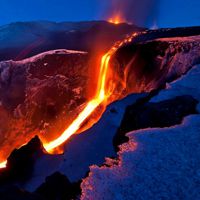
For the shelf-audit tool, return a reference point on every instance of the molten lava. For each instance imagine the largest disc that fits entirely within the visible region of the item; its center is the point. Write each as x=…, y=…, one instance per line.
x=3, y=164
x=90, y=107
x=103, y=93
x=117, y=19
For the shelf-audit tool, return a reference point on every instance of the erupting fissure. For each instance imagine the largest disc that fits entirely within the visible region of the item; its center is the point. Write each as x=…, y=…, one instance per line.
x=102, y=95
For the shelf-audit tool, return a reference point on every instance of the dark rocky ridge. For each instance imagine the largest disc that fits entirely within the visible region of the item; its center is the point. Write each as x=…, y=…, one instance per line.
x=143, y=115
x=20, y=163
x=169, y=33
x=57, y=186
x=145, y=66
x=19, y=169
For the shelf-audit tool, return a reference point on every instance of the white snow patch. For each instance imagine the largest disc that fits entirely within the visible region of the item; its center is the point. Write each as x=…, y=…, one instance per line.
x=42, y=55
x=157, y=163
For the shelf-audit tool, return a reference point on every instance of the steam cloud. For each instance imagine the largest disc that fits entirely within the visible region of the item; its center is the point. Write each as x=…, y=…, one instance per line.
x=139, y=12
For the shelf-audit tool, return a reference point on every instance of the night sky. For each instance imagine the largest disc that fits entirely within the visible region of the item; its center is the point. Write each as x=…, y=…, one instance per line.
x=164, y=13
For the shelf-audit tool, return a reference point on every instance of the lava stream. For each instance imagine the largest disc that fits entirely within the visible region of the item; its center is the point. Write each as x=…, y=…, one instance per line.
x=102, y=95
x=90, y=107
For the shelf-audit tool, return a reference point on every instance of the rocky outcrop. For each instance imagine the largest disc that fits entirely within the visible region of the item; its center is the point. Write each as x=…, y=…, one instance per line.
x=142, y=66
x=40, y=93
x=57, y=186
x=20, y=163
x=143, y=115
x=13, y=192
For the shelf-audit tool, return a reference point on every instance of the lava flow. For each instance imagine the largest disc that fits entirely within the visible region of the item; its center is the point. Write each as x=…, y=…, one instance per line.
x=90, y=107
x=102, y=94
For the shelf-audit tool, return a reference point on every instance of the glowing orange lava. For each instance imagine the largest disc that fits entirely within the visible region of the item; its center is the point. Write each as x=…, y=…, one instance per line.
x=90, y=107
x=102, y=94
x=3, y=164
x=117, y=19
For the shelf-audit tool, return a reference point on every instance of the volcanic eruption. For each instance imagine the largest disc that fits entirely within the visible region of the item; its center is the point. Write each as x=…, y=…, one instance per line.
x=82, y=104
x=103, y=96
x=106, y=84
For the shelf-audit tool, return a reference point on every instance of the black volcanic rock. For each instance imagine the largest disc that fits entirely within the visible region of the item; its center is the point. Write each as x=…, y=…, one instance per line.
x=58, y=187
x=145, y=64
x=21, y=161
x=169, y=33
x=15, y=193
x=143, y=115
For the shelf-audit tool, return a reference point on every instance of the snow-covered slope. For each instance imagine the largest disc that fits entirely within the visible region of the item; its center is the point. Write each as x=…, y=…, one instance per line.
x=158, y=163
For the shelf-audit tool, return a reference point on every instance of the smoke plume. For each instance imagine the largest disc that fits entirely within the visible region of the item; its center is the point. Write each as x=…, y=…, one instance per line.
x=139, y=12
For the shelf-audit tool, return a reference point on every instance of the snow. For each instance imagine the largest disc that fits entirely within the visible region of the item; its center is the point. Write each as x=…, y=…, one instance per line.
x=40, y=56
x=52, y=52
x=82, y=150
x=180, y=39
x=163, y=165
x=157, y=163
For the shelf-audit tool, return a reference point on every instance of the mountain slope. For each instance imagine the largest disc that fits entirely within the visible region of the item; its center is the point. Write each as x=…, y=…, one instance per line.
x=24, y=39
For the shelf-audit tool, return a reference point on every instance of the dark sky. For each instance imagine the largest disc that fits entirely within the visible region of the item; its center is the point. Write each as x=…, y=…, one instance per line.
x=165, y=13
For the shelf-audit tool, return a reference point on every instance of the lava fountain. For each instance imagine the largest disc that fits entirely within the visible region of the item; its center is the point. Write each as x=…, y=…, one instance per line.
x=103, y=92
